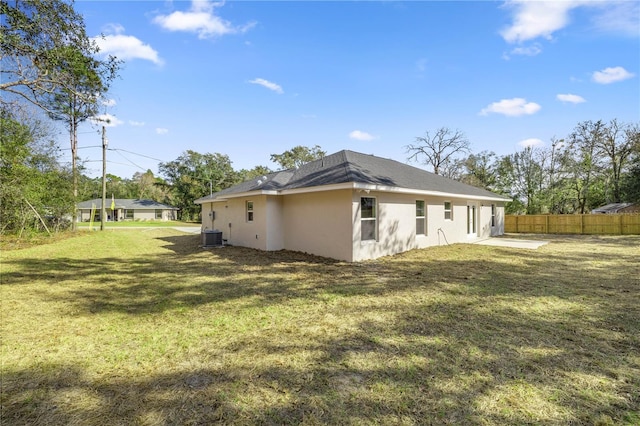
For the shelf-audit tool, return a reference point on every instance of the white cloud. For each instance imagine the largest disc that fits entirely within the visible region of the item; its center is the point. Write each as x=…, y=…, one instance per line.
x=621, y=17
x=533, y=19
x=162, y=131
x=421, y=65
x=531, y=142
x=113, y=28
x=136, y=123
x=511, y=107
x=106, y=120
x=532, y=50
x=125, y=47
x=568, y=97
x=200, y=19
x=611, y=75
x=109, y=102
x=268, y=84
x=361, y=136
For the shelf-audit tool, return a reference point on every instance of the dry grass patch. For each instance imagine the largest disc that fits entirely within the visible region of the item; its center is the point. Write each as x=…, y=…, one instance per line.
x=144, y=327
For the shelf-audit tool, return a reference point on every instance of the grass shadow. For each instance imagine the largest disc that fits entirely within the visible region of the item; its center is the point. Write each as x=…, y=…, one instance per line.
x=462, y=334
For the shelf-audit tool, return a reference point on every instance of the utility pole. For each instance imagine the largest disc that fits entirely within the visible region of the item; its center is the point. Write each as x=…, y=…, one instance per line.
x=103, y=212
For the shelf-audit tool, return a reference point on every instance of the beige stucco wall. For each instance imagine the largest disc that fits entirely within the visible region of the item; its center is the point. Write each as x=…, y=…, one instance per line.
x=144, y=215
x=397, y=223
x=319, y=223
x=327, y=223
x=275, y=229
x=231, y=219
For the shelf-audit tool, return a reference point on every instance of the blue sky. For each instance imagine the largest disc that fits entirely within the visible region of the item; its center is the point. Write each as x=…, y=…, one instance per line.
x=250, y=79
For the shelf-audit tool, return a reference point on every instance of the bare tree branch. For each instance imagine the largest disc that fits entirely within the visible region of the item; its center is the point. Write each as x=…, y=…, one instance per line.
x=439, y=150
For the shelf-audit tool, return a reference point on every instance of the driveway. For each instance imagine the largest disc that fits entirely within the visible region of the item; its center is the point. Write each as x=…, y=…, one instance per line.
x=512, y=242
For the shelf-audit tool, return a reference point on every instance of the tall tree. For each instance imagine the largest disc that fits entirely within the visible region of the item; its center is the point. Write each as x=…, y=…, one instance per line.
x=33, y=184
x=147, y=186
x=87, y=80
x=584, y=164
x=49, y=61
x=557, y=197
x=439, y=150
x=256, y=172
x=617, y=144
x=521, y=176
x=194, y=175
x=89, y=188
x=630, y=182
x=479, y=170
x=37, y=37
x=297, y=156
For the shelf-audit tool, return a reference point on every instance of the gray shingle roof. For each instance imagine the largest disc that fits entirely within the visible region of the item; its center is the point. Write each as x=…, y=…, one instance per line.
x=611, y=208
x=354, y=167
x=124, y=203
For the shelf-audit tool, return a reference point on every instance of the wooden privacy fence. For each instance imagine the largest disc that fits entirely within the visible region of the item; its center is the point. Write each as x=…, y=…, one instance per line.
x=619, y=224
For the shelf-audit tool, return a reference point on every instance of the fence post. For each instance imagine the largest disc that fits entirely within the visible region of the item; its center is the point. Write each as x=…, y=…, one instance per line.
x=581, y=224
x=546, y=224
x=620, y=223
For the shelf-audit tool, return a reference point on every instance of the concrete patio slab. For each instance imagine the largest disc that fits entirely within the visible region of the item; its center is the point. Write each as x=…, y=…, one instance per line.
x=512, y=242
x=189, y=229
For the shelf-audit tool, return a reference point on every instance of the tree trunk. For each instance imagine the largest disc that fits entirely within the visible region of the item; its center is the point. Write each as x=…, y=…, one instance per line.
x=73, y=132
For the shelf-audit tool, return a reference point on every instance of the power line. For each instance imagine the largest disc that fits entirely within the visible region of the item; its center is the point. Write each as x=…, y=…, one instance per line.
x=135, y=153
x=115, y=149
x=118, y=152
x=81, y=147
x=108, y=161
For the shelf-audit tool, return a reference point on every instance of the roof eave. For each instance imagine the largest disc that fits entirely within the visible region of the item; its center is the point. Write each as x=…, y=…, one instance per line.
x=351, y=185
x=214, y=199
x=401, y=190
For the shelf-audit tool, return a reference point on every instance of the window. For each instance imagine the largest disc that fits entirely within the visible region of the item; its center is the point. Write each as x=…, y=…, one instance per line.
x=448, y=210
x=493, y=215
x=128, y=214
x=249, y=211
x=420, y=218
x=368, y=218
x=158, y=213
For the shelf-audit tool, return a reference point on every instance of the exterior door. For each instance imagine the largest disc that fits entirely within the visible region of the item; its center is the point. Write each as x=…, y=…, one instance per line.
x=472, y=219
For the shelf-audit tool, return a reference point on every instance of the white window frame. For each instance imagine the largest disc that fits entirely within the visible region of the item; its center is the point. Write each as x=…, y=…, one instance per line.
x=448, y=210
x=249, y=210
x=423, y=218
x=369, y=219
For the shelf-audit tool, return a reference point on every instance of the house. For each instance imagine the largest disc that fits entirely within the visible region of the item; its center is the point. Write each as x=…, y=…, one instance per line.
x=126, y=209
x=616, y=208
x=352, y=207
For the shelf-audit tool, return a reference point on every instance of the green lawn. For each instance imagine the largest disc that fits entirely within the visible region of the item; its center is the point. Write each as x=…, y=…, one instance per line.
x=144, y=327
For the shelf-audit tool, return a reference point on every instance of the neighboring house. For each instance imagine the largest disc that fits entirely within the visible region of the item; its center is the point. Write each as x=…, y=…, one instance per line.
x=351, y=206
x=615, y=208
x=126, y=209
